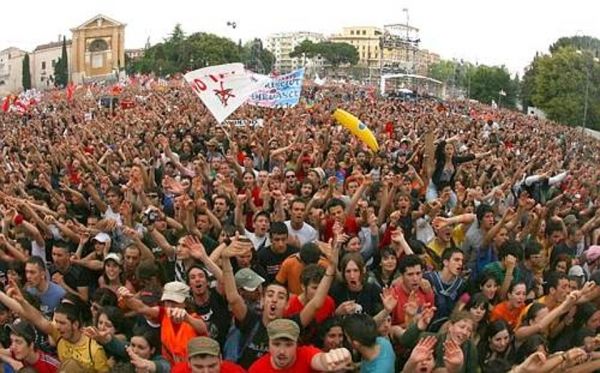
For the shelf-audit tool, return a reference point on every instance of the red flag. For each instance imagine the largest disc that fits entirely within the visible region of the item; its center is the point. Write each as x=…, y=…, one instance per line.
x=21, y=107
x=6, y=104
x=70, y=91
x=116, y=89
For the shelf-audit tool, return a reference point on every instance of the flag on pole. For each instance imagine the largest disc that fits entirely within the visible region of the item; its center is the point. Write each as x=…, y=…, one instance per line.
x=502, y=93
x=224, y=88
x=6, y=103
x=70, y=90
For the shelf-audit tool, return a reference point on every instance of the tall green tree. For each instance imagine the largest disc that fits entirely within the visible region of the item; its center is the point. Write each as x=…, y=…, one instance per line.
x=256, y=58
x=443, y=70
x=560, y=86
x=565, y=83
x=338, y=53
x=306, y=49
x=61, y=68
x=334, y=53
x=26, y=73
x=488, y=81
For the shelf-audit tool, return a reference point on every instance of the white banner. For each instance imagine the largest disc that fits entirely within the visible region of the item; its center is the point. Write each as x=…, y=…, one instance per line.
x=224, y=88
x=258, y=122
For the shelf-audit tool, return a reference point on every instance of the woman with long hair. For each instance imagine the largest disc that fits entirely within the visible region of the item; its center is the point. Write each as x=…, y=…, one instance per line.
x=387, y=270
x=498, y=342
x=354, y=293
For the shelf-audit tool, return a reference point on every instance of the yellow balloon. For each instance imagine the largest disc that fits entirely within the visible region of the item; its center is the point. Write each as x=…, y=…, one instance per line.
x=357, y=128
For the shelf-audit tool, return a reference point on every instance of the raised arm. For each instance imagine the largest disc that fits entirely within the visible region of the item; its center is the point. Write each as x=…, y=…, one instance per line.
x=137, y=305
x=310, y=309
x=236, y=302
x=538, y=327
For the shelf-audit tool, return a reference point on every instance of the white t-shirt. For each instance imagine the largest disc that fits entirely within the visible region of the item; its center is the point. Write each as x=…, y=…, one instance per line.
x=258, y=242
x=305, y=234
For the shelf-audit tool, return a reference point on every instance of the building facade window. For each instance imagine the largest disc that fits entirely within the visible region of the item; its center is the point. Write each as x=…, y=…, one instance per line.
x=43, y=65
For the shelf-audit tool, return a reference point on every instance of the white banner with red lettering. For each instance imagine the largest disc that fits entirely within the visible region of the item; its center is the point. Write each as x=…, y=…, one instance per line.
x=224, y=88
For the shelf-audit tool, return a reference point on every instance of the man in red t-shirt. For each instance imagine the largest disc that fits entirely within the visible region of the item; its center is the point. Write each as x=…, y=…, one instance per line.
x=339, y=213
x=412, y=291
x=310, y=278
x=285, y=355
x=204, y=355
x=22, y=337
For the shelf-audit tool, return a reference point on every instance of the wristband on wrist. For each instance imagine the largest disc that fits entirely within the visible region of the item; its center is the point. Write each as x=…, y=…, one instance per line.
x=18, y=220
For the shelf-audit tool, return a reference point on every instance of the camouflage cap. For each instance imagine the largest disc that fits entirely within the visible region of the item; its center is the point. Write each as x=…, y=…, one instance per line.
x=203, y=346
x=283, y=328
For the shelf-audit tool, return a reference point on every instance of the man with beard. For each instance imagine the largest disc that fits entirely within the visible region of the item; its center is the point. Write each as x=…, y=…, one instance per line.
x=208, y=303
x=448, y=285
x=286, y=356
x=253, y=324
x=66, y=330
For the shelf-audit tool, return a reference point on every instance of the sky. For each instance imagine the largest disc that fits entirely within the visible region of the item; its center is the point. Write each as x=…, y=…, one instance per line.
x=507, y=32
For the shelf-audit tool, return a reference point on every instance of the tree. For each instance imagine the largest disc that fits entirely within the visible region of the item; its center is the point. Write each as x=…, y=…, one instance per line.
x=306, y=49
x=26, y=79
x=61, y=68
x=559, y=82
x=488, y=81
x=256, y=58
x=443, y=70
x=338, y=53
x=335, y=53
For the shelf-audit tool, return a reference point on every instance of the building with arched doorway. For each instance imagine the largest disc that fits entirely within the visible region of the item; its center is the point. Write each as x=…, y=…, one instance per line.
x=97, y=49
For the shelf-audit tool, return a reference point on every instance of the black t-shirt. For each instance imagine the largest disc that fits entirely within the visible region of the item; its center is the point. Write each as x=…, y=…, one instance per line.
x=271, y=261
x=259, y=345
x=75, y=277
x=215, y=314
x=368, y=297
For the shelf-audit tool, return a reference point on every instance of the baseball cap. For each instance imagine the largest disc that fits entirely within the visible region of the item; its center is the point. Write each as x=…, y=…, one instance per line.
x=570, y=219
x=247, y=279
x=102, y=237
x=203, y=346
x=283, y=328
x=23, y=329
x=113, y=256
x=175, y=291
x=576, y=271
x=592, y=253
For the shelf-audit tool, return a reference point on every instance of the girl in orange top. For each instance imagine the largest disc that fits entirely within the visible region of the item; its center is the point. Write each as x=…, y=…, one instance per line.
x=510, y=309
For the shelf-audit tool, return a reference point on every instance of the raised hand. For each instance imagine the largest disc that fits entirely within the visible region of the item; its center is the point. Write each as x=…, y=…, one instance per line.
x=440, y=222
x=425, y=318
x=453, y=356
x=411, y=307
x=423, y=350
x=389, y=299
x=197, y=250
x=338, y=359
x=101, y=337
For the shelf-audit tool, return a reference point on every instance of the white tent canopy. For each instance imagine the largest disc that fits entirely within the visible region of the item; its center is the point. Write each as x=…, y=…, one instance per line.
x=423, y=80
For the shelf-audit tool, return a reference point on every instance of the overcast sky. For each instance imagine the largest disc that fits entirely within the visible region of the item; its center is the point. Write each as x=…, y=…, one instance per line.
x=505, y=32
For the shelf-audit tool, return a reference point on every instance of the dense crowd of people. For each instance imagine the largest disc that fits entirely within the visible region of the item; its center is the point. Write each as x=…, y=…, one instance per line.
x=149, y=238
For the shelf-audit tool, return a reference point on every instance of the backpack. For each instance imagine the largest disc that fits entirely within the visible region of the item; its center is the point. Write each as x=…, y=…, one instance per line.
x=235, y=344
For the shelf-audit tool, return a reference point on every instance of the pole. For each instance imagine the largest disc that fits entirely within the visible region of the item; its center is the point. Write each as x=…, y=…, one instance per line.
x=585, y=100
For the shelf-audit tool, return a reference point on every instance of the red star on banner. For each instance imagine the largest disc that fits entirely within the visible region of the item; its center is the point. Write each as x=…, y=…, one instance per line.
x=224, y=94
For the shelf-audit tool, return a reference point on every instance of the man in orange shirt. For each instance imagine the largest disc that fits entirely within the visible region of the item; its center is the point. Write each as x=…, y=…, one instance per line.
x=291, y=268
